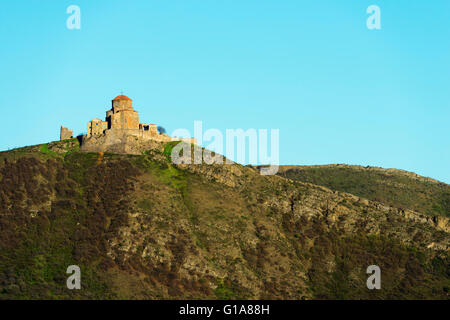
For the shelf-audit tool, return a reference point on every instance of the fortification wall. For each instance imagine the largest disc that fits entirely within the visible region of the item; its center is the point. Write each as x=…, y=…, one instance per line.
x=96, y=127
x=129, y=141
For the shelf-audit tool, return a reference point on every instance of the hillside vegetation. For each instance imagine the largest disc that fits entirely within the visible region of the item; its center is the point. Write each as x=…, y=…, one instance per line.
x=393, y=187
x=142, y=228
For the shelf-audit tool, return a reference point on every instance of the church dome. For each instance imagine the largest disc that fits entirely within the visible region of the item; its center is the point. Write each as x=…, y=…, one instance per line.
x=122, y=97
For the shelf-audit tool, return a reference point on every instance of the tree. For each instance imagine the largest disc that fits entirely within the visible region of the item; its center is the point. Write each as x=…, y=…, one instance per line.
x=161, y=130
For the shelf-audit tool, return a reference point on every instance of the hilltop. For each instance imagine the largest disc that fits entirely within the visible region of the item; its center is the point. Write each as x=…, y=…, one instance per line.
x=142, y=228
x=393, y=187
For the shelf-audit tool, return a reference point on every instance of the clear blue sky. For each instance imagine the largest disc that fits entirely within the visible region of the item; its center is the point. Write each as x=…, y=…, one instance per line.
x=338, y=92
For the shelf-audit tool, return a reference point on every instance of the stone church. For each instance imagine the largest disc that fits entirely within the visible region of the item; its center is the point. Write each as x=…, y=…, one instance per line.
x=122, y=120
x=122, y=116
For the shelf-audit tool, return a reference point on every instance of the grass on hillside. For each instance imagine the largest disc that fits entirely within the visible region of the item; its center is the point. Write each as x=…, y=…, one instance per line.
x=396, y=190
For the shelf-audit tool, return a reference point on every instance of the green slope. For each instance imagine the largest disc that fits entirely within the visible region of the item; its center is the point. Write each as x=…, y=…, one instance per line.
x=396, y=188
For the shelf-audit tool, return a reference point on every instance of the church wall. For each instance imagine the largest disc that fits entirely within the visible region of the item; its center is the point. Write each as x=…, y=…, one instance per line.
x=125, y=120
x=122, y=105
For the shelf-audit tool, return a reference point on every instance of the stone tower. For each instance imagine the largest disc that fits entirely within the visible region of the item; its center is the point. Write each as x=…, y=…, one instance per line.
x=122, y=115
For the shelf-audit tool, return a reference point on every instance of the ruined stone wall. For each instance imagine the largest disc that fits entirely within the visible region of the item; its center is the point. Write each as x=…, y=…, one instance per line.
x=148, y=129
x=65, y=133
x=96, y=127
x=148, y=133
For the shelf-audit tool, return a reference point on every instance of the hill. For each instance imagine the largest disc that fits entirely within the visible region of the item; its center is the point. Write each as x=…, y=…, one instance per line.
x=393, y=187
x=140, y=227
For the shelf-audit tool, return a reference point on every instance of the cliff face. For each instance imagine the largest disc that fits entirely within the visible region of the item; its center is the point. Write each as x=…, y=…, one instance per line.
x=141, y=227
